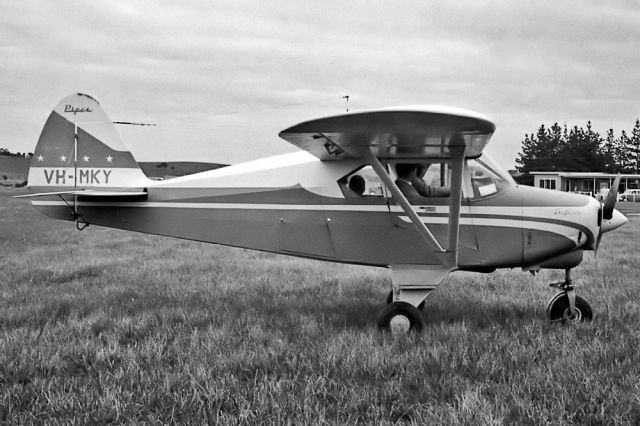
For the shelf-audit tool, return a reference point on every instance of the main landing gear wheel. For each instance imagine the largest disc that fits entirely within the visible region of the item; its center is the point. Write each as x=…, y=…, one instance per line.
x=390, y=300
x=400, y=318
x=559, y=310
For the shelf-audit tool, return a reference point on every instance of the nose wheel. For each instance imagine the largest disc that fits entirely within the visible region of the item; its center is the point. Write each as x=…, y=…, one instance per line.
x=560, y=311
x=566, y=306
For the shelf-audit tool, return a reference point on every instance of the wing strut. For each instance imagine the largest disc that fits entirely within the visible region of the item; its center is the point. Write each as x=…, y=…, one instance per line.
x=408, y=209
x=449, y=257
x=457, y=166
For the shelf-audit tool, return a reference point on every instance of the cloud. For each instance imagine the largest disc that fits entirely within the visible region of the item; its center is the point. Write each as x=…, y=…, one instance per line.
x=222, y=78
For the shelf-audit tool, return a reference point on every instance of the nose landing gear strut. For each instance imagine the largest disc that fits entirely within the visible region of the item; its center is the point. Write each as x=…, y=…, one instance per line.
x=566, y=306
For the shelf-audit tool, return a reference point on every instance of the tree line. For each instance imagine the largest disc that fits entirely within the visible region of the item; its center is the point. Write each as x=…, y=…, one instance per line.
x=5, y=151
x=558, y=148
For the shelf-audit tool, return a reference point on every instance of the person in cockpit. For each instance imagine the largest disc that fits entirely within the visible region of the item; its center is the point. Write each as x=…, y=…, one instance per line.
x=413, y=187
x=357, y=184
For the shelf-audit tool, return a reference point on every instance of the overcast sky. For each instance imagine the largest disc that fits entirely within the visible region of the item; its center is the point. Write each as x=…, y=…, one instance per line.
x=222, y=78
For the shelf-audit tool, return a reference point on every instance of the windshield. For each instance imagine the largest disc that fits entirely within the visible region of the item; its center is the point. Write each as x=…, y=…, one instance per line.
x=493, y=165
x=487, y=177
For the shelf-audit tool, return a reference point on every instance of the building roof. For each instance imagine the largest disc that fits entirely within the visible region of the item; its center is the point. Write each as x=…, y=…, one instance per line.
x=590, y=175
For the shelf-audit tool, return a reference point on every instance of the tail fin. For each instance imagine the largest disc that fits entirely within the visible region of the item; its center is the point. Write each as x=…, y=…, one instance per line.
x=79, y=148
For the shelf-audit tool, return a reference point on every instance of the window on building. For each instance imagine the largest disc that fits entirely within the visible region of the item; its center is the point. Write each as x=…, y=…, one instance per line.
x=548, y=183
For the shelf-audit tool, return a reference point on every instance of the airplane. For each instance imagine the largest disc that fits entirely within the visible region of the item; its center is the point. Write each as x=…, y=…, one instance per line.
x=300, y=204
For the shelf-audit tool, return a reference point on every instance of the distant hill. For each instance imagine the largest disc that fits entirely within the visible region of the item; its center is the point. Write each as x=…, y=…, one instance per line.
x=14, y=169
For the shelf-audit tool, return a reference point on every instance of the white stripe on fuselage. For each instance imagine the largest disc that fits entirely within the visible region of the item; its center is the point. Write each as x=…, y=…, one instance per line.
x=567, y=231
x=558, y=213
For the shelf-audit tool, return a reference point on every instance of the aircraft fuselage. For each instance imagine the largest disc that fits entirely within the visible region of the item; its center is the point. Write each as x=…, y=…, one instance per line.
x=293, y=205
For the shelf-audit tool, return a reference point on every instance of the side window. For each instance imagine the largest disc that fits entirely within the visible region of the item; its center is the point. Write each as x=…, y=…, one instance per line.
x=363, y=182
x=437, y=175
x=421, y=180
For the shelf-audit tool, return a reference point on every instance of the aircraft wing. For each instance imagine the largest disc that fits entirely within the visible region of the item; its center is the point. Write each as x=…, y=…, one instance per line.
x=394, y=133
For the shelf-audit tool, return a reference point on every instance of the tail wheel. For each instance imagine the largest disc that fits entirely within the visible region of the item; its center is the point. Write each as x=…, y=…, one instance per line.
x=559, y=310
x=400, y=318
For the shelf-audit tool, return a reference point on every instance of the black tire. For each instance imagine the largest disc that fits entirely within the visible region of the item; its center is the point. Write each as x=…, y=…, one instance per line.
x=400, y=317
x=390, y=300
x=558, y=310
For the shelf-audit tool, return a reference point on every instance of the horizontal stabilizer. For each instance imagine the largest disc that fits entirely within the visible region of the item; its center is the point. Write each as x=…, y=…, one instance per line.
x=90, y=193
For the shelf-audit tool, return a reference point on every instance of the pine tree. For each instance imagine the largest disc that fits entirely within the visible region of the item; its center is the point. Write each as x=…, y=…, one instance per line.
x=634, y=144
x=561, y=149
x=539, y=150
x=593, y=145
x=611, y=152
x=581, y=151
x=627, y=163
x=555, y=142
x=527, y=155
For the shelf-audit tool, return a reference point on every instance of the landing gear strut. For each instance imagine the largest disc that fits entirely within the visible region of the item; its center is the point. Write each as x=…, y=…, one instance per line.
x=411, y=286
x=566, y=305
x=390, y=300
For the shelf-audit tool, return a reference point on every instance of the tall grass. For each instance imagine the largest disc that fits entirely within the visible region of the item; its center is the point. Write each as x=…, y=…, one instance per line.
x=107, y=326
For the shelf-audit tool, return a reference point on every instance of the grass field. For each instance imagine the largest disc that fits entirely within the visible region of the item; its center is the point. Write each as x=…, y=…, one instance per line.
x=108, y=326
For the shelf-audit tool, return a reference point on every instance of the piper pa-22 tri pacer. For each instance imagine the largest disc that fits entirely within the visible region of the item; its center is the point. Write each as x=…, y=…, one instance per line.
x=302, y=203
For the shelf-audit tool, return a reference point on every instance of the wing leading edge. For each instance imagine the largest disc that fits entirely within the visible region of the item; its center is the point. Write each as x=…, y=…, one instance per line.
x=394, y=133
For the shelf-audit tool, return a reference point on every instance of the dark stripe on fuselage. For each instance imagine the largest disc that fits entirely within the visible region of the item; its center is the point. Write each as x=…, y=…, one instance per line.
x=371, y=238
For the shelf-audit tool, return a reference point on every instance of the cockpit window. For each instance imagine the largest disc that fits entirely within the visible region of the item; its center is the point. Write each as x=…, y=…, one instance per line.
x=482, y=177
x=486, y=178
x=364, y=182
x=437, y=175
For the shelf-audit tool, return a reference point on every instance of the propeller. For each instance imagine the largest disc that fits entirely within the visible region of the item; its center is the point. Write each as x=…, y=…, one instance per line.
x=610, y=201
x=608, y=207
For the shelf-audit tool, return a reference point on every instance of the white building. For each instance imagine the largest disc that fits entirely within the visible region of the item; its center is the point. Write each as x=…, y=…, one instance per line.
x=590, y=183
